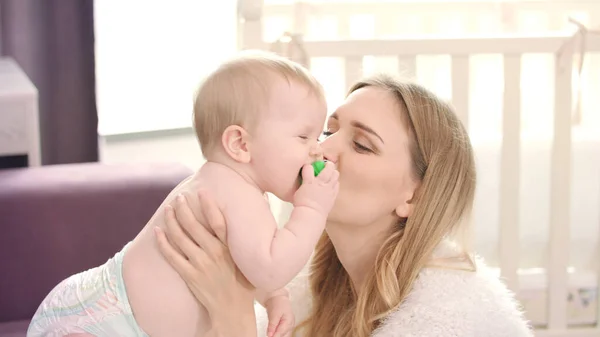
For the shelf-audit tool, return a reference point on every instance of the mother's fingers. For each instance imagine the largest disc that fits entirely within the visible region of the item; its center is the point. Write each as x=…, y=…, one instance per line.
x=197, y=231
x=179, y=239
x=176, y=260
x=213, y=215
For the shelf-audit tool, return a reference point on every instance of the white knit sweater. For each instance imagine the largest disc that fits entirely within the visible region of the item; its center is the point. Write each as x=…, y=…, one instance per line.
x=442, y=303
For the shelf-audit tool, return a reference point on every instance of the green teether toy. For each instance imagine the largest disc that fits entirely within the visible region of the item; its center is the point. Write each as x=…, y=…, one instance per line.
x=318, y=166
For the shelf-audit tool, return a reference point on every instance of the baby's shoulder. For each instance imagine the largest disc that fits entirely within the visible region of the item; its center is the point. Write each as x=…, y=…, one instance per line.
x=236, y=197
x=223, y=179
x=223, y=184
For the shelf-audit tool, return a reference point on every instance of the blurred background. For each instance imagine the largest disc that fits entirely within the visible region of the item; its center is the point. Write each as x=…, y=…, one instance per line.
x=114, y=81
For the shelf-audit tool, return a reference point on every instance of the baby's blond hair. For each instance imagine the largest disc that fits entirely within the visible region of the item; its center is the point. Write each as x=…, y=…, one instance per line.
x=239, y=89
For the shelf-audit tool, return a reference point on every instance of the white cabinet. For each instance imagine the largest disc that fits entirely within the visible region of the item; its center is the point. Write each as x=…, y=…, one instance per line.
x=19, y=120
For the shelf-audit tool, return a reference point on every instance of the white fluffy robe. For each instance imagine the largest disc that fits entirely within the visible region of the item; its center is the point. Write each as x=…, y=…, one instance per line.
x=442, y=303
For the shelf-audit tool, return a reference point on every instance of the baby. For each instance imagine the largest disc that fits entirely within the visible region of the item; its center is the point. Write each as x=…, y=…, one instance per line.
x=257, y=119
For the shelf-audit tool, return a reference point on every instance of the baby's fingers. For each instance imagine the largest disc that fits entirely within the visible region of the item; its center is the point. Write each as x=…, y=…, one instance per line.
x=335, y=176
x=326, y=173
x=284, y=328
x=272, y=328
x=308, y=173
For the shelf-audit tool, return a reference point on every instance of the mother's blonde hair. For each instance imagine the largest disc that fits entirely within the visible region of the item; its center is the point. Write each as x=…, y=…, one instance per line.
x=443, y=163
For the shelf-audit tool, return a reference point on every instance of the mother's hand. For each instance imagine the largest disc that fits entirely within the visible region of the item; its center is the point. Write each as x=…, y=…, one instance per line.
x=207, y=267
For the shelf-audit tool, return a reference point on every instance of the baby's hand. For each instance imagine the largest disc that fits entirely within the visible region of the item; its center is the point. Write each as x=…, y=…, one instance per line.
x=318, y=192
x=281, y=316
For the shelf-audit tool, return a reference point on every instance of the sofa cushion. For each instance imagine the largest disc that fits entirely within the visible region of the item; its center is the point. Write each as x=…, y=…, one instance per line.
x=14, y=329
x=59, y=220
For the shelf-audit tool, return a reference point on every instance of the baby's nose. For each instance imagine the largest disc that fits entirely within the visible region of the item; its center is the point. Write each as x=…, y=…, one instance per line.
x=316, y=152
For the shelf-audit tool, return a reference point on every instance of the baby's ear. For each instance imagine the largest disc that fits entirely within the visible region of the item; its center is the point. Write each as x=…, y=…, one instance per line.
x=235, y=142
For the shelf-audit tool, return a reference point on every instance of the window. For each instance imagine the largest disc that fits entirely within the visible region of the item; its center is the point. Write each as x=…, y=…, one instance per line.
x=151, y=56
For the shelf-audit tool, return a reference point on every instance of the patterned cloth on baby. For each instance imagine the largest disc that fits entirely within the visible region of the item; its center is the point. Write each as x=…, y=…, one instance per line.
x=93, y=302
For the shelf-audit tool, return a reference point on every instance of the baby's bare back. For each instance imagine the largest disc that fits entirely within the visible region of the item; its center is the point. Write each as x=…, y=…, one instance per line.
x=161, y=301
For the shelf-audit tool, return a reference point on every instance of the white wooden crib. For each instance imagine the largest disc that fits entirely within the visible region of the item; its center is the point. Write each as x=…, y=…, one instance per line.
x=534, y=124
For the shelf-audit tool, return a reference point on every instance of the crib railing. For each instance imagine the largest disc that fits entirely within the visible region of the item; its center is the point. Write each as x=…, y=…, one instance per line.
x=460, y=49
x=391, y=18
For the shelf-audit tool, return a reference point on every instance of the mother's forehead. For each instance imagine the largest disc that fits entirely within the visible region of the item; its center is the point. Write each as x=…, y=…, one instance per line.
x=382, y=117
x=371, y=106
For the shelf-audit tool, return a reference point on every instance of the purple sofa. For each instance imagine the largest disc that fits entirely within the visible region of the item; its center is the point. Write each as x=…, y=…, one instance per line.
x=59, y=220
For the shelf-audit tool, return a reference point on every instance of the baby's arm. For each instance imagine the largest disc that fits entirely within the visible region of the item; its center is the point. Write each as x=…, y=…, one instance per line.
x=263, y=296
x=279, y=311
x=270, y=257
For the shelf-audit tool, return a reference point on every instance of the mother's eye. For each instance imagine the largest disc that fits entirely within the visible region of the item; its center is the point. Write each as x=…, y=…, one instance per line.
x=326, y=134
x=361, y=148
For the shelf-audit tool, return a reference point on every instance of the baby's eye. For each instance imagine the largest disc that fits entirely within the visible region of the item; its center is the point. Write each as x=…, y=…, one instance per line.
x=303, y=137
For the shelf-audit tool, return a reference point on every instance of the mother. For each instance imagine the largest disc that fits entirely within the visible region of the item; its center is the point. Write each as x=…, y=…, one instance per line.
x=393, y=260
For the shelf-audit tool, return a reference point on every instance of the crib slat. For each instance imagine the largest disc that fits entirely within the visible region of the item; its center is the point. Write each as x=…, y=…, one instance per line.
x=386, y=23
x=598, y=285
x=353, y=70
x=343, y=23
x=407, y=66
x=252, y=35
x=460, y=87
x=300, y=17
x=595, y=22
x=560, y=195
x=510, y=172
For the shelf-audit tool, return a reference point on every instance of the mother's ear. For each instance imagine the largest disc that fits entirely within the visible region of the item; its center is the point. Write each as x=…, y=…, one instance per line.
x=235, y=142
x=405, y=209
x=407, y=200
